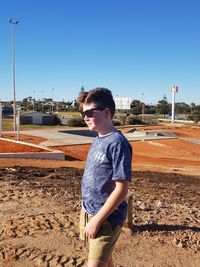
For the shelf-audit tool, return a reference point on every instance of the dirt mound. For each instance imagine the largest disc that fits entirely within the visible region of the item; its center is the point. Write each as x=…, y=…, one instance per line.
x=39, y=210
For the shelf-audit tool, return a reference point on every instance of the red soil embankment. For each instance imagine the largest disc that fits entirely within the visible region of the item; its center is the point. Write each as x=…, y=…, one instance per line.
x=25, y=138
x=12, y=147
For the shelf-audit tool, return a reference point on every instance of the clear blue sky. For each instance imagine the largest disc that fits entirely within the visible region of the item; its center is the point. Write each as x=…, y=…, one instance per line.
x=131, y=47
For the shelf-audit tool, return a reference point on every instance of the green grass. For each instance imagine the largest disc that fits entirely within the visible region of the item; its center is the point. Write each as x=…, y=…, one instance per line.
x=32, y=126
x=7, y=125
x=69, y=114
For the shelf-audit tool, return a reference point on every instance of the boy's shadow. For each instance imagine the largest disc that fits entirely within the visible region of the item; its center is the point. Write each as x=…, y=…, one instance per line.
x=162, y=228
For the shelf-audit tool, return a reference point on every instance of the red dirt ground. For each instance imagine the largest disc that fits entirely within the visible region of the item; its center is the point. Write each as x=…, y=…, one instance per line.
x=172, y=155
x=25, y=138
x=11, y=147
x=39, y=207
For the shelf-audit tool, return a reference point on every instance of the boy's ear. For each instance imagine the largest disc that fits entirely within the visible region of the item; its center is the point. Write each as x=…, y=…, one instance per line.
x=108, y=113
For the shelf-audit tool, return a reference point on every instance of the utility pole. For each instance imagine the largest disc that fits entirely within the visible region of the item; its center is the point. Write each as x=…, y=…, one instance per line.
x=12, y=22
x=173, y=89
x=18, y=122
x=142, y=107
x=52, y=104
x=42, y=101
x=33, y=100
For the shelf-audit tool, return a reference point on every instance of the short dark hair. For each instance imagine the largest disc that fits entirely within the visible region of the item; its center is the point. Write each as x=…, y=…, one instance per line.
x=101, y=97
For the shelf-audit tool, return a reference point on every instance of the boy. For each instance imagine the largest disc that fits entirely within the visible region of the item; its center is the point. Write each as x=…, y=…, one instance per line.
x=105, y=180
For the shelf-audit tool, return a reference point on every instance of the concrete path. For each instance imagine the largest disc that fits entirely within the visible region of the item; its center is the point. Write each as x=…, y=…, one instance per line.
x=76, y=136
x=191, y=140
x=57, y=137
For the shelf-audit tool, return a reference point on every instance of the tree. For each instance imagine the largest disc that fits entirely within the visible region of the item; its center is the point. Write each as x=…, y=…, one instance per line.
x=149, y=109
x=195, y=113
x=192, y=107
x=82, y=90
x=136, y=107
x=182, y=108
x=75, y=105
x=163, y=107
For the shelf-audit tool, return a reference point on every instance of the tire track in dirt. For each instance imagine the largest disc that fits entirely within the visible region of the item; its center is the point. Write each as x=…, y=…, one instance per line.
x=38, y=257
x=32, y=225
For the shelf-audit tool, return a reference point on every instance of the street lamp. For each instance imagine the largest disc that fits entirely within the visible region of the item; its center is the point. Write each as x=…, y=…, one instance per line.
x=33, y=100
x=42, y=101
x=12, y=22
x=52, y=100
x=142, y=107
x=173, y=89
x=18, y=121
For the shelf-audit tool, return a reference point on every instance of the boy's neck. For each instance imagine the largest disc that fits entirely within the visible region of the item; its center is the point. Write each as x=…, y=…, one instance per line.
x=107, y=130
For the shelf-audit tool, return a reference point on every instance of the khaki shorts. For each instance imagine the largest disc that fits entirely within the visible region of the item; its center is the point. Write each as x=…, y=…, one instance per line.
x=101, y=247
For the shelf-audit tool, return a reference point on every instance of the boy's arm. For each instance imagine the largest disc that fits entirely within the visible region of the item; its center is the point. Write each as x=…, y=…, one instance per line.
x=113, y=201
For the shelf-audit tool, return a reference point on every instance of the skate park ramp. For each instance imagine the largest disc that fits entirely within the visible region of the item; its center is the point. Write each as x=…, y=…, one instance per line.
x=86, y=133
x=84, y=136
x=133, y=134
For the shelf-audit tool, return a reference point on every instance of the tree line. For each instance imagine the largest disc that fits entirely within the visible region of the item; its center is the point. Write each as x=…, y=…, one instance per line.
x=137, y=107
x=163, y=107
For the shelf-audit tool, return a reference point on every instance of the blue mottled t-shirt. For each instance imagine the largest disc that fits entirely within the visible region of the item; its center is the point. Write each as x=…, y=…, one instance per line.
x=109, y=159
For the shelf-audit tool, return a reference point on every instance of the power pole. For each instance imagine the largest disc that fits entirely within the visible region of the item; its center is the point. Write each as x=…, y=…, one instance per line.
x=12, y=22
x=173, y=89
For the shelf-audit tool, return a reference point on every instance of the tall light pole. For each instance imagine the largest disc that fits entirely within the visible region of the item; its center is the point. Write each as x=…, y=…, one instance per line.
x=173, y=89
x=142, y=107
x=42, y=101
x=12, y=22
x=18, y=122
x=33, y=100
x=52, y=103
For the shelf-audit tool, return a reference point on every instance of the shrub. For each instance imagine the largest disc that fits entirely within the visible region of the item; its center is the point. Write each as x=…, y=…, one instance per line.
x=194, y=117
x=76, y=122
x=117, y=122
x=132, y=120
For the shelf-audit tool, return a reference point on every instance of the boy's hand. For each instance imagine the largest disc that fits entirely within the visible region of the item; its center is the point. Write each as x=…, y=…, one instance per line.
x=92, y=227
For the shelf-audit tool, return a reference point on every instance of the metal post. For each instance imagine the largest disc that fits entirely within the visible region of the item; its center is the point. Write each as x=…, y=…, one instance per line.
x=173, y=106
x=142, y=107
x=173, y=89
x=42, y=101
x=33, y=100
x=12, y=22
x=52, y=100
x=0, y=120
x=18, y=122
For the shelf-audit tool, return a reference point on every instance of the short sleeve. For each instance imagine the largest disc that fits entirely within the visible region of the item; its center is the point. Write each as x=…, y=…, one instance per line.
x=121, y=161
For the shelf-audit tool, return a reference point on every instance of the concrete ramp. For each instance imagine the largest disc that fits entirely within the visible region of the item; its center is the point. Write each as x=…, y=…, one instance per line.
x=149, y=135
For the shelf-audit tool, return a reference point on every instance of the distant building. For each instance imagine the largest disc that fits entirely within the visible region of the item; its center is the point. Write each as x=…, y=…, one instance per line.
x=123, y=102
x=7, y=111
x=38, y=118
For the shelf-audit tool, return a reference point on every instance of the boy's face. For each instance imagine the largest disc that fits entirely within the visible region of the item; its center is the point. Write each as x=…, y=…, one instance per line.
x=96, y=118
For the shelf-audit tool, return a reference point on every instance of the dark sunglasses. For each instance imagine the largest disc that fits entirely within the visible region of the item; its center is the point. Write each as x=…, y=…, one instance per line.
x=89, y=112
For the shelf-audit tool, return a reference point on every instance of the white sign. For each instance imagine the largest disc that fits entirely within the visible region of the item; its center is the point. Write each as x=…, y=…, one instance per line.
x=174, y=88
x=123, y=102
